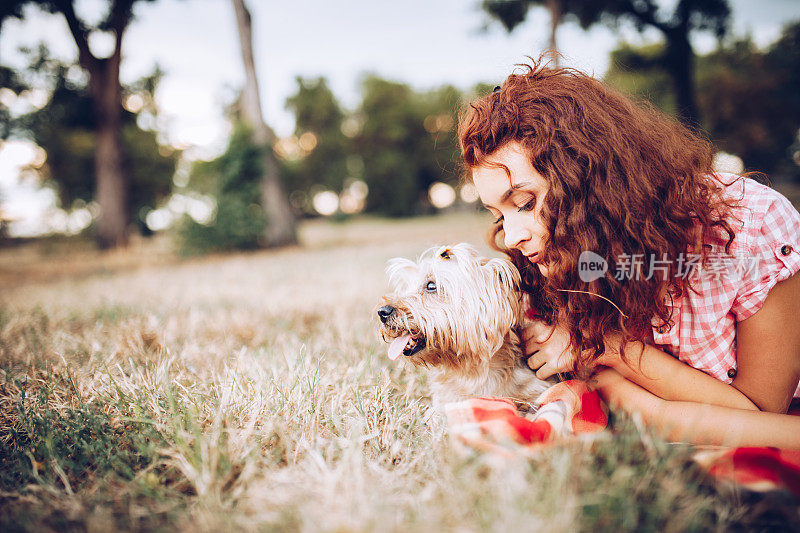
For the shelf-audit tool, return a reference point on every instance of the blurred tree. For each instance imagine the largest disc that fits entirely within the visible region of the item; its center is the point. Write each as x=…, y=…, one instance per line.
x=512, y=13
x=390, y=132
x=280, y=229
x=318, y=124
x=10, y=81
x=751, y=101
x=749, y=98
x=112, y=180
x=64, y=129
x=677, y=58
x=406, y=143
x=441, y=152
x=637, y=71
x=234, y=180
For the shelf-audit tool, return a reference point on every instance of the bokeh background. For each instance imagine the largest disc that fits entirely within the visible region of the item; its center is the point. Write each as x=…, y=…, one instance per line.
x=125, y=119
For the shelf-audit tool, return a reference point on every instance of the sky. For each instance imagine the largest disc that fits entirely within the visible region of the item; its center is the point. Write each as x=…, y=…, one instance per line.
x=425, y=43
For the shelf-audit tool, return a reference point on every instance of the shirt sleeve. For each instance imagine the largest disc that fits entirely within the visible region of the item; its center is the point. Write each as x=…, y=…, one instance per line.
x=773, y=252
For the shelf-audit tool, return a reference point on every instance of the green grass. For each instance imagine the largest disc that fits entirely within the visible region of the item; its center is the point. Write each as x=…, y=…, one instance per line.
x=251, y=392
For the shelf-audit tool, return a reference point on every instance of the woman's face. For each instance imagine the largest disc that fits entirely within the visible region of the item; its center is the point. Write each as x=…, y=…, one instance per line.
x=515, y=199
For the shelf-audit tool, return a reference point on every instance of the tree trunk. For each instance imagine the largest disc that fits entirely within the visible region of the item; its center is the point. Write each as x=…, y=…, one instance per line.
x=556, y=10
x=679, y=63
x=111, y=179
x=281, y=227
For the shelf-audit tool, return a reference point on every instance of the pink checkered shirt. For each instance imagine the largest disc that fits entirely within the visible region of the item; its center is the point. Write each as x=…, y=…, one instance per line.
x=766, y=250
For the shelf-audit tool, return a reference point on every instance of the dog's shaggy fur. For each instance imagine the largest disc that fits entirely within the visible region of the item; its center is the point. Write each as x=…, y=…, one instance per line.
x=457, y=313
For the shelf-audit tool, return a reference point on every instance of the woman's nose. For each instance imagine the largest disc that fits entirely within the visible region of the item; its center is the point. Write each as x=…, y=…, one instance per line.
x=515, y=233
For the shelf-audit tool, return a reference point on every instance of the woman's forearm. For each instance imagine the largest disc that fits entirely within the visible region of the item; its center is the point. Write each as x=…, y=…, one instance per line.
x=696, y=422
x=725, y=426
x=670, y=379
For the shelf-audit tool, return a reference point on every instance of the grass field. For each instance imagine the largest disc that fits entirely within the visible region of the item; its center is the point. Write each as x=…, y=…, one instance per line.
x=141, y=391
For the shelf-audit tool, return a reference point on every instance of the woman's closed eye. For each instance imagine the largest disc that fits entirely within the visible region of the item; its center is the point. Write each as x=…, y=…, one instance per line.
x=527, y=206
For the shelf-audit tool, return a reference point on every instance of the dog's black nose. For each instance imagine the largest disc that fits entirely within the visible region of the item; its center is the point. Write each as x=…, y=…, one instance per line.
x=385, y=312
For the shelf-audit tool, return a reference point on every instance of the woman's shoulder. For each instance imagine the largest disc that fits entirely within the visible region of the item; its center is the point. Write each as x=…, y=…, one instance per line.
x=762, y=215
x=731, y=288
x=749, y=195
x=768, y=239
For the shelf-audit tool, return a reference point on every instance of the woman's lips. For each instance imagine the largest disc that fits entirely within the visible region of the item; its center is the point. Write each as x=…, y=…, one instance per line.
x=533, y=258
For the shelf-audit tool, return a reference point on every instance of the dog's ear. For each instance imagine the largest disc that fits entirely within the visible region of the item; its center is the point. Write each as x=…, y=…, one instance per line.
x=398, y=268
x=502, y=279
x=505, y=271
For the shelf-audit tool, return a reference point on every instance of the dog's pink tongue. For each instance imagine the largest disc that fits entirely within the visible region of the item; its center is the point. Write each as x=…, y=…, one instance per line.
x=397, y=346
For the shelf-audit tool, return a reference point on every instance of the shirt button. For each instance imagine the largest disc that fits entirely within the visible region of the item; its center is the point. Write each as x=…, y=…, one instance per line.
x=786, y=249
x=661, y=329
x=732, y=373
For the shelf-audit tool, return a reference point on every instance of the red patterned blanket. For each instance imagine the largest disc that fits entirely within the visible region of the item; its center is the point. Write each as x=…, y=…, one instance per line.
x=569, y=409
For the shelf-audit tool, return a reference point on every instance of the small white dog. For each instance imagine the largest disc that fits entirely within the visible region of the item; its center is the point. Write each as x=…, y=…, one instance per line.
x=457, y=313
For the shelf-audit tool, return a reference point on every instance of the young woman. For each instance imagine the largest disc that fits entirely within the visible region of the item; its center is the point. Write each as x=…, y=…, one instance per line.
x=674, y=285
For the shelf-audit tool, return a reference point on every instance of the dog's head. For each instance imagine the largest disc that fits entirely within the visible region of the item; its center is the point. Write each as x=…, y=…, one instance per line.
x=451, y=307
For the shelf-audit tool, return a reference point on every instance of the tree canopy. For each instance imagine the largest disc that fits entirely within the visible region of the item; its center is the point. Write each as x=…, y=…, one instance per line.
x=407, y=143
x=65, y=127
x=112, y=182
x=676, y=57
x=319, y=117
x=748, y=97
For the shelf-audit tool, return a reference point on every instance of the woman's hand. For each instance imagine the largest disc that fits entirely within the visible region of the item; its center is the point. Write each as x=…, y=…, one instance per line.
x=549, y=353
x=547, y=348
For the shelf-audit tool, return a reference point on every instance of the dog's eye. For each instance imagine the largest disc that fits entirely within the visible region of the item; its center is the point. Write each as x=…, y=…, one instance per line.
x=430, y=287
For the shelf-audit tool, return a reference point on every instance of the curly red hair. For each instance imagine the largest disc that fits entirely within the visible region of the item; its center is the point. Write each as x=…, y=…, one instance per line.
x=624, y=179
